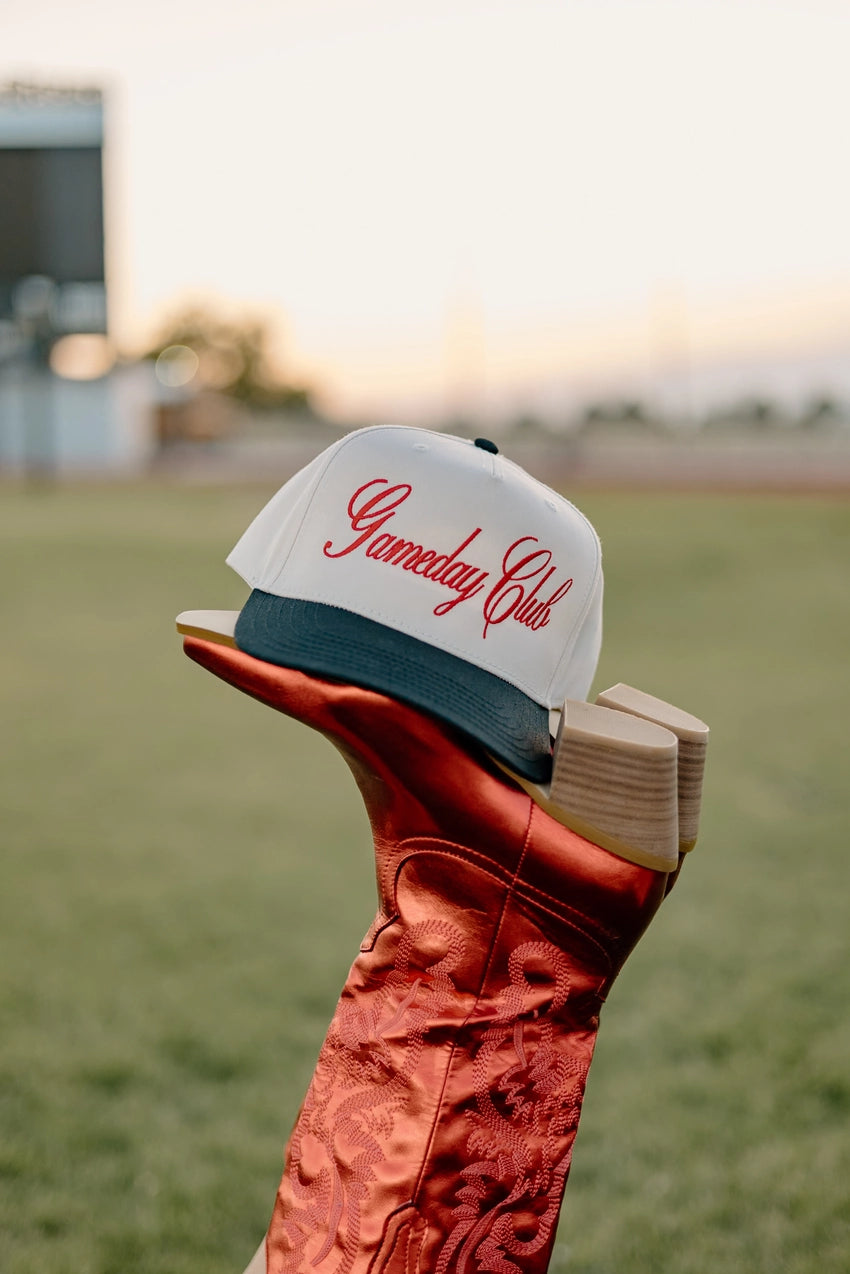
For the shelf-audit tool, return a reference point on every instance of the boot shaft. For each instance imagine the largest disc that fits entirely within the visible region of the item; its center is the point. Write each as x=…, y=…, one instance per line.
x=437, y=1131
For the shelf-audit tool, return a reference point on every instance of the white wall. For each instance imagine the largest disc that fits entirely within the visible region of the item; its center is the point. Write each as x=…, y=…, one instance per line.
x=99, y=426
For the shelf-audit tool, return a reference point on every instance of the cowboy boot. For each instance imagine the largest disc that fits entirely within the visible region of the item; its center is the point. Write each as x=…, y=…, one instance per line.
x=437, y=1132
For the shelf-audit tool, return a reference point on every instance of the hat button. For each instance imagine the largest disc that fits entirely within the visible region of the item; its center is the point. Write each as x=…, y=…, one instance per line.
x=486, y=445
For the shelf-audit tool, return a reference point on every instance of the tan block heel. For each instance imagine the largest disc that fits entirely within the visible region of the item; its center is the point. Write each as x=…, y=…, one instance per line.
x=692, y=735
x=614, y=781
x=614, y=777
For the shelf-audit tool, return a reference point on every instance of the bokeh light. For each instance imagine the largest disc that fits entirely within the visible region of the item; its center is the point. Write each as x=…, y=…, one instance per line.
x=82, y=356
x=177, y=366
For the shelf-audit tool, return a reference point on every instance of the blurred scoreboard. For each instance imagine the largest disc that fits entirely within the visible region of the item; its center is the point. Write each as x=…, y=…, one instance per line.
x=51, y=207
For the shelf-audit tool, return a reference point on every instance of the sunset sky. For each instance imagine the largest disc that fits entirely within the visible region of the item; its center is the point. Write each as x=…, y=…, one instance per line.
x=454, y=201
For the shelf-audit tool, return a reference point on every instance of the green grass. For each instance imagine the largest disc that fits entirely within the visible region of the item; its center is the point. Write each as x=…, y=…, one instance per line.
x=181, y=899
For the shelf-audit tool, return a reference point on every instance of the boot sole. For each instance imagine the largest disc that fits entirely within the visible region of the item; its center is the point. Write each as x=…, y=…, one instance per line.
x=210, y=625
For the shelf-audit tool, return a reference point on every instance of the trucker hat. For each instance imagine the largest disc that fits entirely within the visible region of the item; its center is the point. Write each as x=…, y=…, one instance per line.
x=433, y=569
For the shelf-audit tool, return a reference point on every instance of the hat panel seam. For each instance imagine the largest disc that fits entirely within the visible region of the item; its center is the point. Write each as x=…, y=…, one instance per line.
x=259, y=573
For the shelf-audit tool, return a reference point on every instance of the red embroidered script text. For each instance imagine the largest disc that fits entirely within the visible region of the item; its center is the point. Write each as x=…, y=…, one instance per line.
x=517, y=595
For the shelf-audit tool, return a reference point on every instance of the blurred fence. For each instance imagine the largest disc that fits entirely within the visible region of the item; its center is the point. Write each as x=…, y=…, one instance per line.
x=738, y=462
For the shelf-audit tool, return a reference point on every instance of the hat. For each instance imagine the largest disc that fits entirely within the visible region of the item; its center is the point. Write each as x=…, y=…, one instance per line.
x=433, y=569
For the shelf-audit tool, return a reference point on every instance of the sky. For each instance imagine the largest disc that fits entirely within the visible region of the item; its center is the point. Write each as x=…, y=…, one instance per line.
x=457, y=203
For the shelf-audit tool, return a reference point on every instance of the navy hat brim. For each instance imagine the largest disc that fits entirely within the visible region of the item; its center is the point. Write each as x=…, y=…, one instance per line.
x=332, y=642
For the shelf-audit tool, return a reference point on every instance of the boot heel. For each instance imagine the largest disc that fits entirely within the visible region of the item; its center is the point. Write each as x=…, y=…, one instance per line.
x=614, y=782
x=693, y=744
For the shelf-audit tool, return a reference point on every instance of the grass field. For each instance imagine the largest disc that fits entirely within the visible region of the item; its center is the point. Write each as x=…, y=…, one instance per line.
x=186, y=875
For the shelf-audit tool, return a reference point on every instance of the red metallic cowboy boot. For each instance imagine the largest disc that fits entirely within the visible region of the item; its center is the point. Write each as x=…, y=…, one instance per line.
x=437, y=1132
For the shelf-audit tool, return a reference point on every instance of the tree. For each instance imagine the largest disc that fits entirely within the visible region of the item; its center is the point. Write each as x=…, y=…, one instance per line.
x=233, y=357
